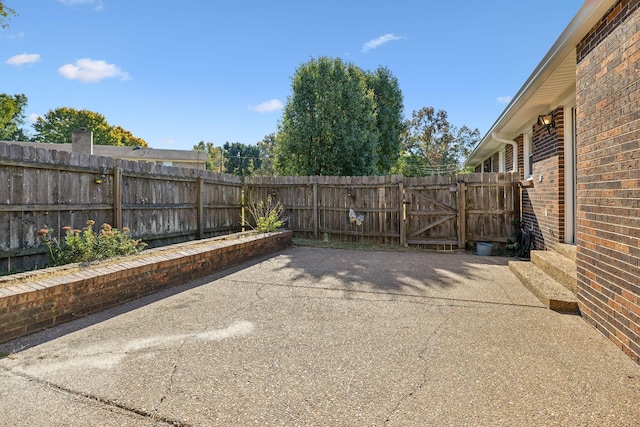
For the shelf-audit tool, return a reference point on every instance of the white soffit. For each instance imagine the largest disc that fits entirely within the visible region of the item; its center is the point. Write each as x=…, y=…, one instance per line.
x=544, y=98
x=549, y=83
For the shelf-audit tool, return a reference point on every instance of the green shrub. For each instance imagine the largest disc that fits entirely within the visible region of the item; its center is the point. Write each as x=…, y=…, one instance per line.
x=85, y=245
x=267, y=216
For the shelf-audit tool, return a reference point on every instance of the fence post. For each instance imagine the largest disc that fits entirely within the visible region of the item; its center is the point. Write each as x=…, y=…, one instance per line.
x=462, y=215
x=200, y=212
x=117, y=198
x=315, y=211
x=403, y=225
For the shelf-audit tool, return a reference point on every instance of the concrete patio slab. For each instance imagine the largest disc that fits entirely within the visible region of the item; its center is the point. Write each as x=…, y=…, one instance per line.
x=326, y=337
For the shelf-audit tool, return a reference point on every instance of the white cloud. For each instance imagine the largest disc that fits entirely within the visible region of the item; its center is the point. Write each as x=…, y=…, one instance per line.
x=98, y=3
x=504, y=99
x=372, y=44
x=33, y=117
x=25, y=58
x=90, y=70
x=169, y=141
x=267, y=106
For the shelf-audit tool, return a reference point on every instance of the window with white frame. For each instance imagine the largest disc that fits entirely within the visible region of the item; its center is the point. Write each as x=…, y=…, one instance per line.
x=502, y=166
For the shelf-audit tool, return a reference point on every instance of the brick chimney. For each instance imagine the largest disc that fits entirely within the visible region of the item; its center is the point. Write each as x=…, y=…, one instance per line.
x=82, y=141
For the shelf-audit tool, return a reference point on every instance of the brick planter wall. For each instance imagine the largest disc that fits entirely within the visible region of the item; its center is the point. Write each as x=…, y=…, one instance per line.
x=51, y=299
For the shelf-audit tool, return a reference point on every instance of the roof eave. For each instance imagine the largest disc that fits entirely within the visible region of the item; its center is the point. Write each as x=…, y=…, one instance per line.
x=588, y=15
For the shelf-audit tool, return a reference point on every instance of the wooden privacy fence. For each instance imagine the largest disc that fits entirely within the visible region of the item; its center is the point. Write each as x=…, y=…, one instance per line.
x=163, y=205
x=319, y=206
x=428, y=211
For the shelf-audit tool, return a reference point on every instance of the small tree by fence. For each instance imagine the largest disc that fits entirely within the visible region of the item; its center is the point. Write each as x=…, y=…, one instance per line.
x=164, y=205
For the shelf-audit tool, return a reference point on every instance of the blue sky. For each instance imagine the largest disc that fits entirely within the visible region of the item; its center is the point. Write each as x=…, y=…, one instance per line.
x=176, y=73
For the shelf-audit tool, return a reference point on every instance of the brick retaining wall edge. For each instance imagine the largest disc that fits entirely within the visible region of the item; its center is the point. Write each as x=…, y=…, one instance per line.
x=30, y=307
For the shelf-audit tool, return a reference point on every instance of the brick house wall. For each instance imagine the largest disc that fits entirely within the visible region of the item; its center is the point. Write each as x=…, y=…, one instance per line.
x=508, y=158
x=520, y=141
x=543, y=202
x=608, y=150
x=495, y=163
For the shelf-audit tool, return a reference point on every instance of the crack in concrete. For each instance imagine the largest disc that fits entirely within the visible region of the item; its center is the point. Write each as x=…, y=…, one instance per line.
x=421, y=356
x=110, y=404
x=169, y=387
x=452, y=301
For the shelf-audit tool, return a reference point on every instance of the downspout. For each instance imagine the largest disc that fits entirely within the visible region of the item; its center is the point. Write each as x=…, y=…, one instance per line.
x=515, y=149
x=515, y=167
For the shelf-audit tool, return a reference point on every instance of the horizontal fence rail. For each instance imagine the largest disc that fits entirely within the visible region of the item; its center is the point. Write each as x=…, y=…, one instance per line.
x=45, y=188
x=164, y=205
x=320, y=206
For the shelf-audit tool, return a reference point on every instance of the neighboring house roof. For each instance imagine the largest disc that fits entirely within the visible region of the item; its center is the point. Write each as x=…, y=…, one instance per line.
x=553, y=80
x=130, y=153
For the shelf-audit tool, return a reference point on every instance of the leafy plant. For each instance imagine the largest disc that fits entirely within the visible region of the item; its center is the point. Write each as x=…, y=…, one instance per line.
x=512, y=248
x=267, y=216
x=86, y=245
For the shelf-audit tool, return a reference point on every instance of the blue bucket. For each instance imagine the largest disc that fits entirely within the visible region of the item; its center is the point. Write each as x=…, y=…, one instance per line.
x=484, y=249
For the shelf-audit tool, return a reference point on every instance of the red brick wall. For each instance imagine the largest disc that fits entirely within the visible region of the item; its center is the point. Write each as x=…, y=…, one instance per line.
x=608, y=214
x=608, y=23
x=543, y=204
x=495, y=164
x=508, y=158
x=520, y=141
x=41, y=303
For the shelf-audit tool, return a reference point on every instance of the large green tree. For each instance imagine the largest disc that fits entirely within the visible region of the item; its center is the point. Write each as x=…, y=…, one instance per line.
x=330, y=122
x=389, y=115
x=12, y=117
x=126, y=138
x=241, y=159
x=214, y=155
x=266, y=148
x=5, y=14
x=57, y=125
x=431, y=145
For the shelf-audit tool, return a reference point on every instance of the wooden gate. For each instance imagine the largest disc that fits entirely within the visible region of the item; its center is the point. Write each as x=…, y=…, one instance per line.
x=452, y=210
x=432, y=211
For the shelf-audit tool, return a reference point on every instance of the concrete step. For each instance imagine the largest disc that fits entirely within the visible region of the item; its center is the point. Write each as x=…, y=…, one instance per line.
x=561, y=268
x=566, y=250
x=544, y=287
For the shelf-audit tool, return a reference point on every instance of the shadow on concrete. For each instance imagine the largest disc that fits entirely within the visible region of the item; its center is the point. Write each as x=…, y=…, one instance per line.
x=20, y=344
x=413, y=274
x=386, y=271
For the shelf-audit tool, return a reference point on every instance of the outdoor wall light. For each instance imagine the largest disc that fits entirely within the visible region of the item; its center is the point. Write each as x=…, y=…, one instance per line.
x=547, y=121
